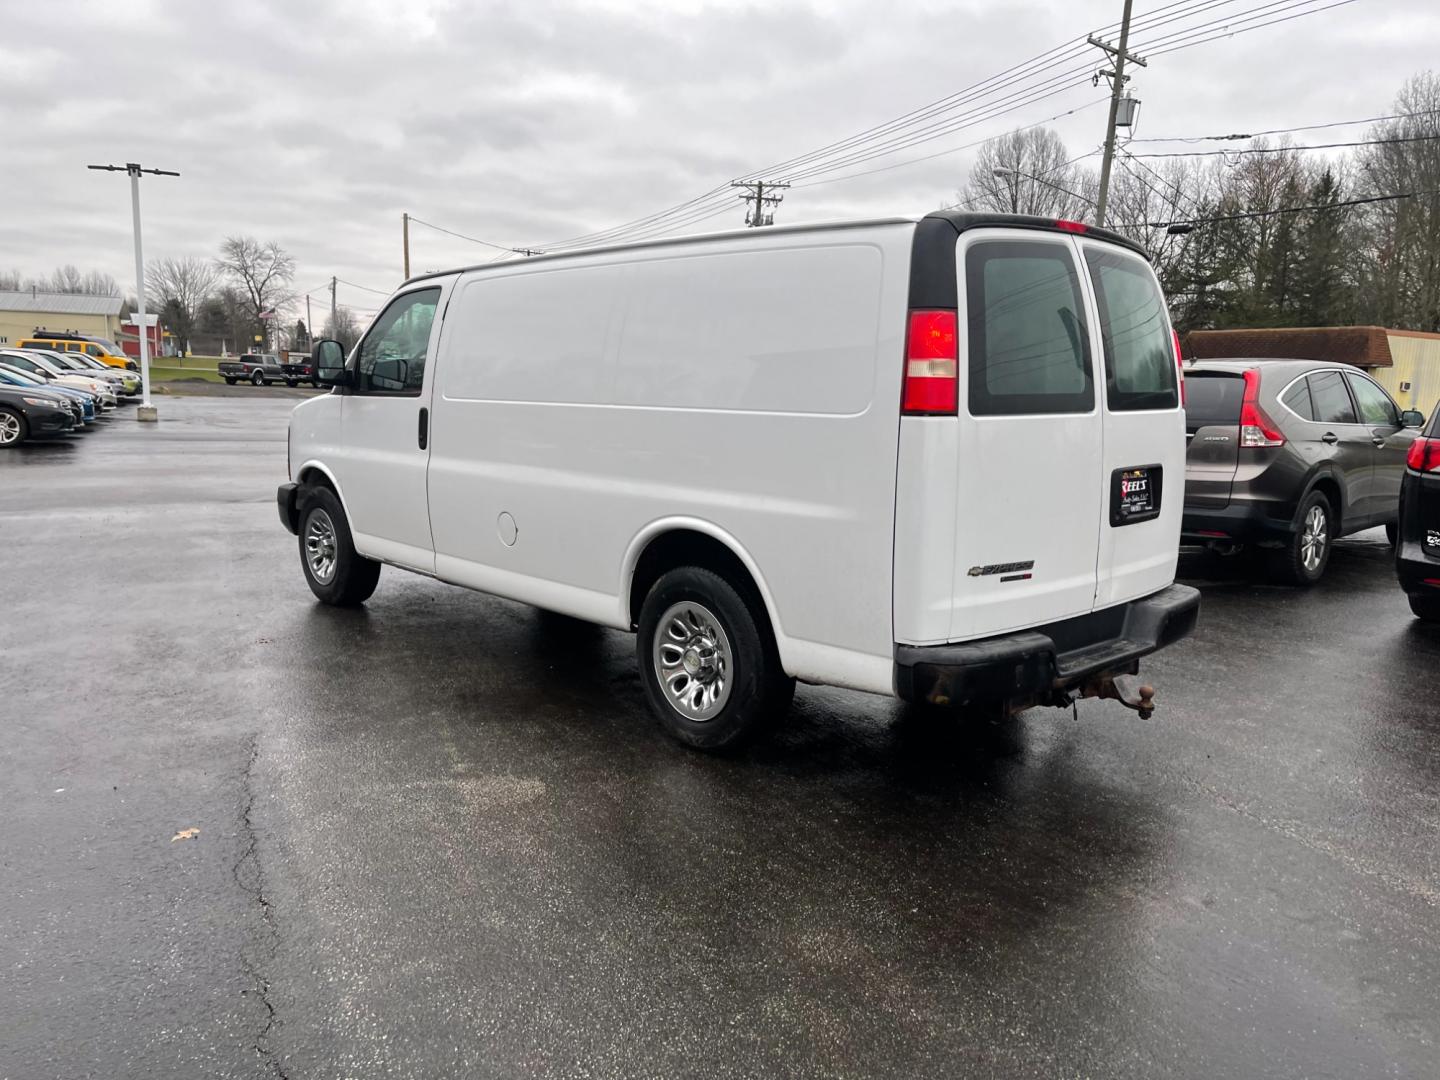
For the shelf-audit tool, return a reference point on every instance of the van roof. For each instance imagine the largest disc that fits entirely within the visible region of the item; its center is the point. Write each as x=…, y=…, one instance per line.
x=960, y=220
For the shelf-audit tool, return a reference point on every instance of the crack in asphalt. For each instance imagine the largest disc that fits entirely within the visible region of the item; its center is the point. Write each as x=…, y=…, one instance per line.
x=250, y=877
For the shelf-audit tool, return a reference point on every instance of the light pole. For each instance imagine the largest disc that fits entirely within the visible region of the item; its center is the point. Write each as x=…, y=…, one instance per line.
x=1043, y=183
x=146, y=411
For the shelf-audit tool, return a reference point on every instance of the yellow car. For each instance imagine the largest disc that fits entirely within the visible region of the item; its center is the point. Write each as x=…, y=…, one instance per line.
x=102, y=349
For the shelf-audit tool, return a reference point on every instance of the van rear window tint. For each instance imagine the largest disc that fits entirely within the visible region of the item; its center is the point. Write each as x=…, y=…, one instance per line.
x=1139, y=354
x=1028, y=349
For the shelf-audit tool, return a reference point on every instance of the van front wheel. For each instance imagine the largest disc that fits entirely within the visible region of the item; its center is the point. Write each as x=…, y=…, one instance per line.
x=336, y=573
x=708, y=661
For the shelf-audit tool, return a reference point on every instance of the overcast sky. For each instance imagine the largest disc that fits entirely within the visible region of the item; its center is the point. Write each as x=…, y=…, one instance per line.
x=315, y=123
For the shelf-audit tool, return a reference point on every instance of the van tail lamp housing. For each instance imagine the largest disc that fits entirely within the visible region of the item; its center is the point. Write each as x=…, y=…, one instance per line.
x=1071, y=226
x=1424, y=455
x=1256, y=429
x=1179, y=365
x=931, y=359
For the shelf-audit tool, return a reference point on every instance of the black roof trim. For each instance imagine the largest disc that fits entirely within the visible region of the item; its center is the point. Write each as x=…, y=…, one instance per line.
x=963, y=219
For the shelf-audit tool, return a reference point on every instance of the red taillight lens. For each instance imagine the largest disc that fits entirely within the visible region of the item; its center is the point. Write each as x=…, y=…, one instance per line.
x=930, y=364
x=1424, y=455
x=1071, y=226
x=1179, y=365
x=1256, y=429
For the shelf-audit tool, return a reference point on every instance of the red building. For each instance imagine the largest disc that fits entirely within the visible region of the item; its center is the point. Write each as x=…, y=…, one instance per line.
x=162, y=342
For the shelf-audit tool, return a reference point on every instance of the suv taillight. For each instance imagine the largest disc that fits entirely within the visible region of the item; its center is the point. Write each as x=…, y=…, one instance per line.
x=1424, y=455
x=930, y=365
x=1256, y=429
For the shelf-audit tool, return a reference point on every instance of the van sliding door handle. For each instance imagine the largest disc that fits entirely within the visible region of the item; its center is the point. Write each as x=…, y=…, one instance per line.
x=424, y=428
x=1330, y=437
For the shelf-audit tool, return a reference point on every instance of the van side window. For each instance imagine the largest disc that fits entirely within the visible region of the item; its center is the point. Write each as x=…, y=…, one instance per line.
x=1029, y=349
x=1376, y=408
x=392, y=356
x=1139, y=355
x=1332, y=400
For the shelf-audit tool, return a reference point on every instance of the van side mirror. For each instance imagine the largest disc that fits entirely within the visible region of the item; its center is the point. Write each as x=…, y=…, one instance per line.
x=330, y=363
x=1412, y=418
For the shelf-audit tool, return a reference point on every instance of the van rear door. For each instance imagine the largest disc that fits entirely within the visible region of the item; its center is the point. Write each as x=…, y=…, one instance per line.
x=1030, y=456
x=1141, y=496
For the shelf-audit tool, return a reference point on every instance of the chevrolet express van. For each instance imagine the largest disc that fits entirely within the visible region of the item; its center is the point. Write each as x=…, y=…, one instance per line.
x=940, y=459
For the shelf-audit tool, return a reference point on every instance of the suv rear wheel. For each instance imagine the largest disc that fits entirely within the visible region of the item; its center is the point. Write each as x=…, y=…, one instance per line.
x=1303, y=560
x=708, y=661
x=336, y=573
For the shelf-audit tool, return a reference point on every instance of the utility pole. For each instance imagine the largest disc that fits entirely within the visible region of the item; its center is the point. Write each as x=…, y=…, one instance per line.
x=1118, y=79
x=146, y=410
x=755, y=192
x=334, y=324
x=309, y=327
x=405, y=227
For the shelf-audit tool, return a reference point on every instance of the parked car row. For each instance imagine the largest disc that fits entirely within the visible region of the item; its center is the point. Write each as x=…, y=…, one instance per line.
x=46, y=394
x=261, y=369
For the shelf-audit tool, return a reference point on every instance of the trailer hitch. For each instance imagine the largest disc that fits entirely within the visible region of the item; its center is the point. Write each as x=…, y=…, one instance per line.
x=1126, y=689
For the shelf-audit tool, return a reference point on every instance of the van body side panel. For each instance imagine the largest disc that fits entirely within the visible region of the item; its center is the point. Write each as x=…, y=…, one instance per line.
x=752, y=384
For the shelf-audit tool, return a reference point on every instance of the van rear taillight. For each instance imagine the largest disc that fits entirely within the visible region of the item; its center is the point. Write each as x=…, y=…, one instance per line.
x=1256, y=429
x=930, y=364
x=1424, y=455
x=1071, y=226
x=1179, y=365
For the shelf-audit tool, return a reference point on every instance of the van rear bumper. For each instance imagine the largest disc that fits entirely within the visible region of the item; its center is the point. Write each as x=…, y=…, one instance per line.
x=1034, y=663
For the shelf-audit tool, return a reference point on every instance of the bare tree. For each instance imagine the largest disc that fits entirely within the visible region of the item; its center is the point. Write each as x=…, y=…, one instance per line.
x=1028, y=172
x=344, y=327
x=180, y=286
x=261, y=272
x=10, y=280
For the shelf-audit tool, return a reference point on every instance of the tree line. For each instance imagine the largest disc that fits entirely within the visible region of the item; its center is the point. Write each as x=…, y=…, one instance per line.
x=1267, y=234
x=242, y=294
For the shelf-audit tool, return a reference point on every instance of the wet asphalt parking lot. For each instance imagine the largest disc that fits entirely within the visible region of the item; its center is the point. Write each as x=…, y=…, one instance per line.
x=442, y=837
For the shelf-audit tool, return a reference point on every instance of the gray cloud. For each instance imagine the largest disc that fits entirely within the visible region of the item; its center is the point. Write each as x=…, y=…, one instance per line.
x=317, y=123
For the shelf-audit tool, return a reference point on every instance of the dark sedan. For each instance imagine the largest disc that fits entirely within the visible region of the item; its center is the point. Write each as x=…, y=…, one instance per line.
x=1417, y=550
x=26, y=415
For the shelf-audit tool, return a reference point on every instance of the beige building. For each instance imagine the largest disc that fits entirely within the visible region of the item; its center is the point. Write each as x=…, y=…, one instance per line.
x=22, y=313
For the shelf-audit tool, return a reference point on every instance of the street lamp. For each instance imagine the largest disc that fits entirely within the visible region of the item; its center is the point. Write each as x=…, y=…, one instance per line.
x=1045, y=183
x=146, y=411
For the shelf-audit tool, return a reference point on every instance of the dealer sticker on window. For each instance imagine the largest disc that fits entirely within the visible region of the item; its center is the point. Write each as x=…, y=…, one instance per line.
x=1135, y=494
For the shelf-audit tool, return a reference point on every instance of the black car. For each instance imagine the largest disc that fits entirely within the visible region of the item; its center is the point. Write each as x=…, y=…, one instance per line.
x=1417, y=550
x=27, y=415
x=1287, y=455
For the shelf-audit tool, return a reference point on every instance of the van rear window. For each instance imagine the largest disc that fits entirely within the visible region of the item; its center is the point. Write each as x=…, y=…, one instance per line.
x=1027, y=342
x=1213, y=399
x=1139, y=354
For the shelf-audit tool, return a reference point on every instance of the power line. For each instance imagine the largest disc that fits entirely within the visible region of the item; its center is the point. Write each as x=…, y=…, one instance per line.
x=1238, y=136
x=365, y=288
x=1288, y=149
x=1291, y=210
x=473, y=239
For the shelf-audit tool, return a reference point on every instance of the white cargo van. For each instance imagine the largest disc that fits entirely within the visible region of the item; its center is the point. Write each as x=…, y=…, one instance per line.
x=937, y=458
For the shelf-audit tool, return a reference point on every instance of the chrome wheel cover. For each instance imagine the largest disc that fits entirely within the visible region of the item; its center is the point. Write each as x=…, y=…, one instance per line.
x=320, y=547
x=1313, y=538
x=693, y=661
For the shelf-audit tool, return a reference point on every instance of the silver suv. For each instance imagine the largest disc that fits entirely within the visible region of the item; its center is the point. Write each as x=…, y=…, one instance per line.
x=1287, y=455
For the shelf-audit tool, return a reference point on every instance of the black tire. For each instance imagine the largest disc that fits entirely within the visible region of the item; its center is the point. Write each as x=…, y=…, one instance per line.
x=257, y=379
x=1426, y=608
x=1290, y=564
x=353, y=578
x=14, y=429
x=230, y=380
x=759, y=691
x=291, y=383
x=1392, y=533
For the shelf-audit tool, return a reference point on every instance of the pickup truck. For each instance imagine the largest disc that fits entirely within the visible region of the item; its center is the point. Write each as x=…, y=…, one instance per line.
x=299, y=369
x=259, y=368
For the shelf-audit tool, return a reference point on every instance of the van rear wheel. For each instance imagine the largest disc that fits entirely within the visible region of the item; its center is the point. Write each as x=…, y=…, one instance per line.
x=336, y=573
x=708, y=661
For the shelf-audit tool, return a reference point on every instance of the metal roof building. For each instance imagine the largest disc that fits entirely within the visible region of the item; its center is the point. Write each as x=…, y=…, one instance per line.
x=23, y=312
